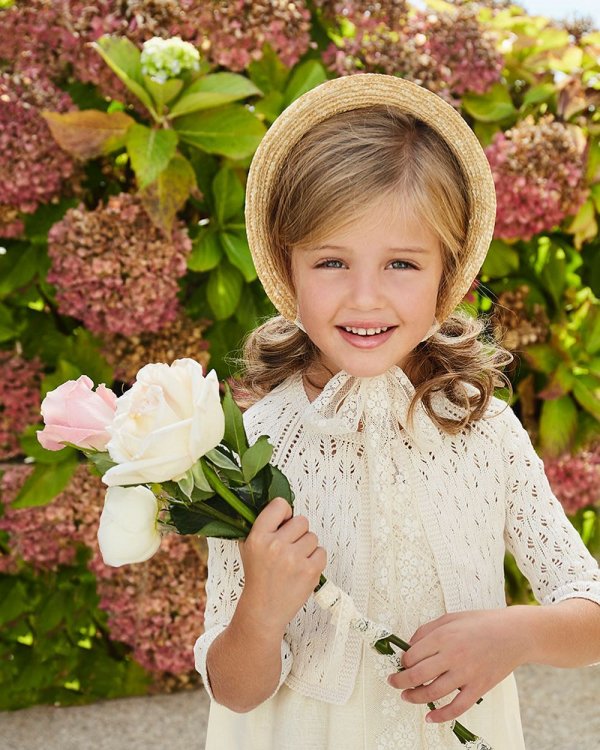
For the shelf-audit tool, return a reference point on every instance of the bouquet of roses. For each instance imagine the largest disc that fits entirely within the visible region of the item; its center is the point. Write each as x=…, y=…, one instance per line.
x=174, y=458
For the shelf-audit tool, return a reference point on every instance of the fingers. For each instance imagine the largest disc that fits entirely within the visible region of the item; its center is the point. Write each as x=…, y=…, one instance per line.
x=272, y=516
x=429, y=627
x=307, y=544
x=438, y=688
x=423, y=671
x=461, y=703
x=293, y=529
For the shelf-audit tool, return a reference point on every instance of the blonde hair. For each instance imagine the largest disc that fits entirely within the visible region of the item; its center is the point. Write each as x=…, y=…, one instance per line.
x=382, y=152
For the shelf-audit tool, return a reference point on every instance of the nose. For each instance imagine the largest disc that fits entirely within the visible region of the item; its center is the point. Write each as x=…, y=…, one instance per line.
x=366, y=290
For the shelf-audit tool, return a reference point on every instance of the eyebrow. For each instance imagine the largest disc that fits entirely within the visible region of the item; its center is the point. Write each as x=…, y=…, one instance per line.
x=413, y=249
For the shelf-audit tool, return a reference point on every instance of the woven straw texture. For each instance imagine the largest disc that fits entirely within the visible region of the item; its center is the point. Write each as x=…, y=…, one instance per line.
x=353, y=92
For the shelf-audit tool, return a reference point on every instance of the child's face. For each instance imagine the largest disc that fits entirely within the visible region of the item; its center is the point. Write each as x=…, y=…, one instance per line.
x=370, y=279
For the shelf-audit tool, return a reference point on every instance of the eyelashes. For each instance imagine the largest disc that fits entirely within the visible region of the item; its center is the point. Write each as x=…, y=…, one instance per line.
x=408, y=266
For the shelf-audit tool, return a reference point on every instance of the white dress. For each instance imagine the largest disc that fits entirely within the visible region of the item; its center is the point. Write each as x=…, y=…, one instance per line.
x=374, y=718
x=415, y=524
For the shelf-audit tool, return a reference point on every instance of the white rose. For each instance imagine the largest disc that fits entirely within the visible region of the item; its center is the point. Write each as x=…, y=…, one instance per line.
x=128, y=530
x=170, y=417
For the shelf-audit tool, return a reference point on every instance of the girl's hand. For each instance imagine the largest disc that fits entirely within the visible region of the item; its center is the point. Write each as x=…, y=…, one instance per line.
x=473, y=651
x=282, y=566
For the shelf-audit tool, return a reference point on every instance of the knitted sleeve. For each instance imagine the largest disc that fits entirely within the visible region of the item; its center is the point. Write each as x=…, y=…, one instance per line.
x=545, y=544
x=224, y=585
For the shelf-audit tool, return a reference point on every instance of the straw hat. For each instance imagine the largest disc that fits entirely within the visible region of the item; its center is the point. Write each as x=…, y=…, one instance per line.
x=353, y=92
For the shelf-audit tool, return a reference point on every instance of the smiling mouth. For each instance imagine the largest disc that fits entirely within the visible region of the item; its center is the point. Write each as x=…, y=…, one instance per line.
x=366, y=332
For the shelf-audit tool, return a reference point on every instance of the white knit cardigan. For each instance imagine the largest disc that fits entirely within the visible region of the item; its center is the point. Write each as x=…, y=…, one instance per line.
x=478, y=493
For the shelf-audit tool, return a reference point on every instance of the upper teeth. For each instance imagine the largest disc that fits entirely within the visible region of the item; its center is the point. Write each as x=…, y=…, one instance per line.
x=366, y=331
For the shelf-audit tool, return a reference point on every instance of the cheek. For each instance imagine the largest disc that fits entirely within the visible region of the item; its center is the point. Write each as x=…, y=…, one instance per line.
x=416, y=296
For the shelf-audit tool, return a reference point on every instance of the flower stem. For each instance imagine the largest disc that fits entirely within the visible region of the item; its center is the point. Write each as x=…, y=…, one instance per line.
x=223, y=491
x=214, y=513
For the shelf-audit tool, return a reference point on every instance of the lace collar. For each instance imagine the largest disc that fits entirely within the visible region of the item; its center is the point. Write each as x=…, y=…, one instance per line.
x=353, y=405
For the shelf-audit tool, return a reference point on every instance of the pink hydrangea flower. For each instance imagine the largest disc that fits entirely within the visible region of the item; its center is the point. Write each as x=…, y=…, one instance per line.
x=446, y=53
x=539, y=173
x=39, y=170
x=114, y=270
x=233, y=34
x=575, y=480
x=20, y=381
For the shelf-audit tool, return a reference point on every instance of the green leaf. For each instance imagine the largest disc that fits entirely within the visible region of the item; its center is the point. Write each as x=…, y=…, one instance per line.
x=280, y=486
x=89, y=133
x=224, y=289
x=123, y=58
x=169, y=192
x=38, y=224
x=206, y=251
x=587, y=392
x=150, y=151
x=193, y=519
x=24, y=266
x=45, y=483
x=228, y=195
x=305, y=77
x=591, y=330
x=551, y=38
x=101, y=461
x=485, y=131
x=258, y=455
x=85, y=352
x=246, y=312
x=238, y=252
x=218, y=458
x=542, y=358
x=584, y=225
x=591, y=38
x=162, y=93
x=213, y=91
x=270, y=106
x=200, y=481
x=52, y=611
x=502, y=259
x=221, y=530
x=495, y=104
x=8, y=328
x=268, y=73
x=558, y=424
x=186, y=483
x=537, y=94
x=554, y=273
x=80, y=356
x=15, y=601
x=235, y=432
x=232, y=131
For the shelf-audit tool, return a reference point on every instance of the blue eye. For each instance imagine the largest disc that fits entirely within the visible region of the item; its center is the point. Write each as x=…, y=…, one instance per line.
x=406, y=264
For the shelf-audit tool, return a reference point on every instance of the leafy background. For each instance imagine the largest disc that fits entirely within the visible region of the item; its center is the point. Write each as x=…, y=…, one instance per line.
x=123, y=242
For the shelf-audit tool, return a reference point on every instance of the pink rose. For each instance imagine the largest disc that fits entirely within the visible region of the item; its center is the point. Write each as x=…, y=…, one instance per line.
x=74, y=413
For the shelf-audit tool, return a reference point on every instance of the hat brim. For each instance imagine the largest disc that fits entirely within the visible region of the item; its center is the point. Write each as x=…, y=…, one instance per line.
x=354, y=92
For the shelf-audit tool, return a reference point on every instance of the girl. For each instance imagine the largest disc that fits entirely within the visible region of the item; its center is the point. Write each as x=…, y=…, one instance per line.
x=369, y=207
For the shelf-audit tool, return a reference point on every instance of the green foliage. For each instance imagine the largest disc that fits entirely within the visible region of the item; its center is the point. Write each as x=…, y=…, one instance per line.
x=150, y=151
x=54, y=643
x=231, y=130
x=45, y=482
x=213, y=91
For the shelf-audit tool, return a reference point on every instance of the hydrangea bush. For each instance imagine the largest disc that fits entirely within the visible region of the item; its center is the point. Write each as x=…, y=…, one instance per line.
x=127, y=130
